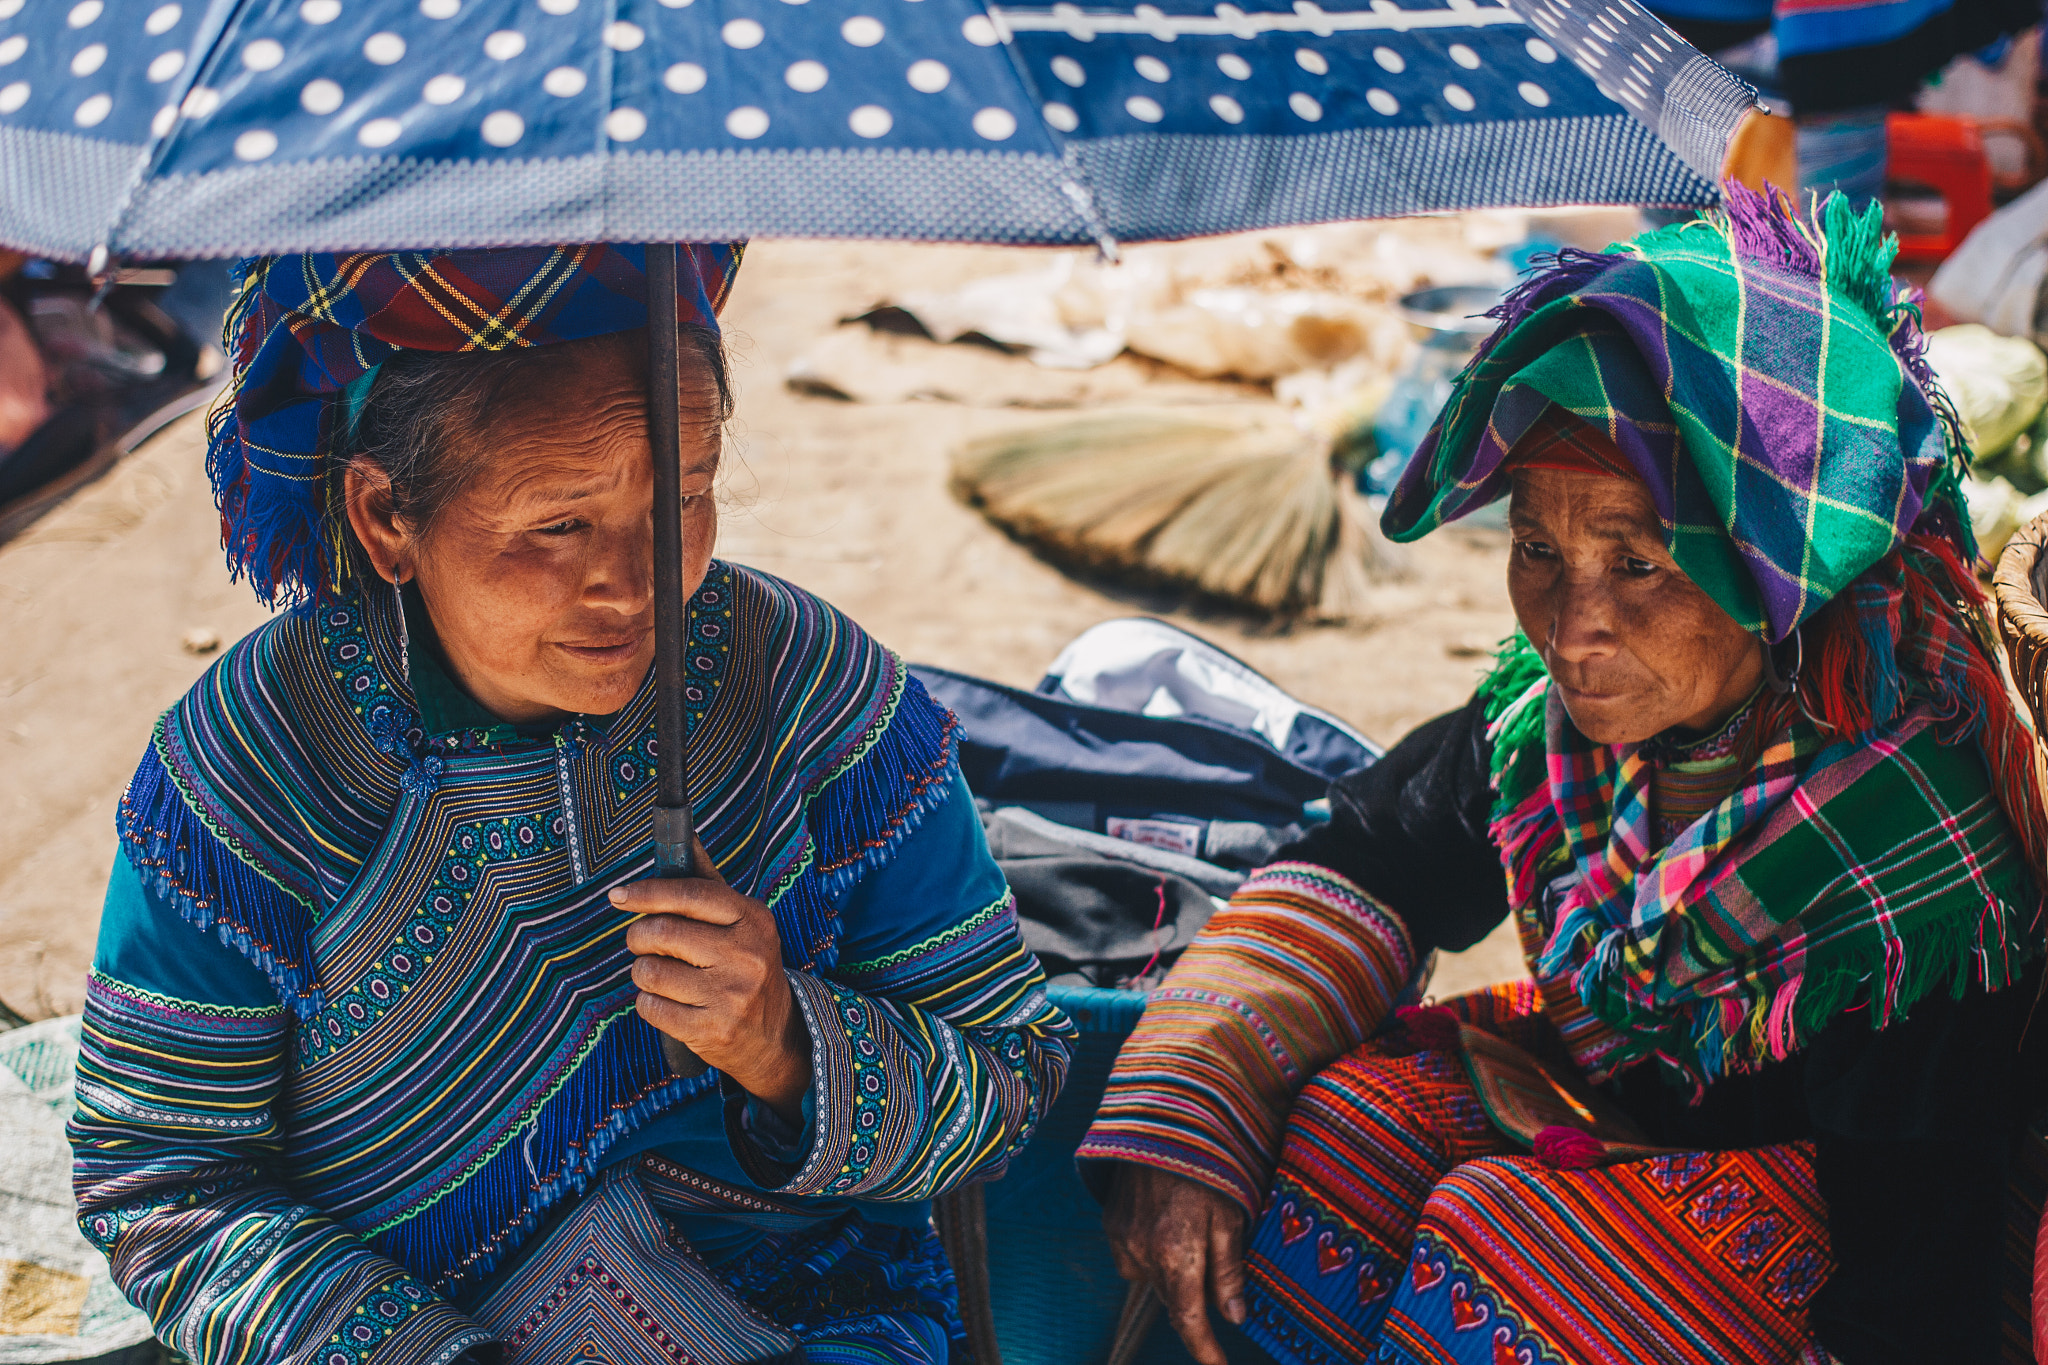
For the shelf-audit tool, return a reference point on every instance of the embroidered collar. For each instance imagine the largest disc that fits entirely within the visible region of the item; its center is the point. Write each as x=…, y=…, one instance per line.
x=1724, y=743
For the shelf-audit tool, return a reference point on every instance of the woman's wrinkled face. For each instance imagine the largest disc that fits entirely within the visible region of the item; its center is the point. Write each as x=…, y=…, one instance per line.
x=539, y=574
x=1633, y=646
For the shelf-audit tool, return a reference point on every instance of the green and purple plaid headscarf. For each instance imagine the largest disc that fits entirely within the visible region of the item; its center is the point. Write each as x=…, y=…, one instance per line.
x=1763, y=375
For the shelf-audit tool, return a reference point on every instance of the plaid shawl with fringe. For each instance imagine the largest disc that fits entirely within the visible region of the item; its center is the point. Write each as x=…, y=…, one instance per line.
x=303, y=328
x=1845, y=870
x=1763, y=375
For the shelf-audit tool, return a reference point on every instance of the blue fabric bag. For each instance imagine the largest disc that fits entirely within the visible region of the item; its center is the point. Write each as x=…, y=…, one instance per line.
x=1139, y=719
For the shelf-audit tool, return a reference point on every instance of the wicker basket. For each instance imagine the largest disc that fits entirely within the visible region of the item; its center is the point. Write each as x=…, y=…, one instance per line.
x=2020, y=589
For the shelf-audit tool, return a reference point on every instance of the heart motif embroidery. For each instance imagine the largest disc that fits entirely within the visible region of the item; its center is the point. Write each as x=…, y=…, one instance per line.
x=1504, y=1352
x=1371, y=1288
x=1331, y=1258
x=1294, y=1225
x=1427, y=1276
x=1465, y=1315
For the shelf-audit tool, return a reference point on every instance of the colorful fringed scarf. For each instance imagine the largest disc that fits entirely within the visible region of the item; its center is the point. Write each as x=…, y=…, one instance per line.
x=1889, y=839
x=303, y=328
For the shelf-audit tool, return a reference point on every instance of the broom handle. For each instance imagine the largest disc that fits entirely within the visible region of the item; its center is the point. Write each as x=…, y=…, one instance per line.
x=675, y=832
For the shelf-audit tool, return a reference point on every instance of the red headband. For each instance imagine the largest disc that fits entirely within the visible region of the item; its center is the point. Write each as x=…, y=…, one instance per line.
x=1560, y=440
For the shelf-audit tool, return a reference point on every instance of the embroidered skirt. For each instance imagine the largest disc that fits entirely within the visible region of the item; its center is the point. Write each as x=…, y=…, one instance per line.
x=1403, y=1227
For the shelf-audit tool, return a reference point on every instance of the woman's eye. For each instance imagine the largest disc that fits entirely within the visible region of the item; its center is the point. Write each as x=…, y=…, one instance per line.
x=1534, y=549
x=561, y=528
x=1637, y=568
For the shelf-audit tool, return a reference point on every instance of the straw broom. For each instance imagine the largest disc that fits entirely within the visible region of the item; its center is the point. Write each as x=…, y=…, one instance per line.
x=1254, y=517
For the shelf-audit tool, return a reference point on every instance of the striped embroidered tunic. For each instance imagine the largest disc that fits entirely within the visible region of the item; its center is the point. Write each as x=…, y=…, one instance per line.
x=360, y=1022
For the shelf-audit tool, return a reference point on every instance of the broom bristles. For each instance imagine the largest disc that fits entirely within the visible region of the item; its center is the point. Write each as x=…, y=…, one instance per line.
x=1230, y=512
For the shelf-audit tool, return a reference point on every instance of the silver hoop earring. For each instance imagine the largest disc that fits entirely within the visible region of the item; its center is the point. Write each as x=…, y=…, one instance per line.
x=1781, y=679
x=404, y=636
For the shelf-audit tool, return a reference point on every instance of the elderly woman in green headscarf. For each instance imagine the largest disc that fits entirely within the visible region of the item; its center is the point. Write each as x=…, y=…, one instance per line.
x=1748, y=783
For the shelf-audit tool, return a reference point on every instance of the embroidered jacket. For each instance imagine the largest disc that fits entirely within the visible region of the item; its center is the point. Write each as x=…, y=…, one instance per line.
x=441, y=1046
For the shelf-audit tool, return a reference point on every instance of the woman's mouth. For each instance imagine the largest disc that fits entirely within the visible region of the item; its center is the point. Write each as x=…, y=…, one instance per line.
x=1581, y=695
x=603, y=652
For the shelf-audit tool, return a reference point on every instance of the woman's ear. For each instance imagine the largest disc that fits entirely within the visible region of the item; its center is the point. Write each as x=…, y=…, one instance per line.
x=366, y=490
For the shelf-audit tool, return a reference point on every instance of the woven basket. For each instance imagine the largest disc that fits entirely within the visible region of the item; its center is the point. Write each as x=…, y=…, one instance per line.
x=2020, y=589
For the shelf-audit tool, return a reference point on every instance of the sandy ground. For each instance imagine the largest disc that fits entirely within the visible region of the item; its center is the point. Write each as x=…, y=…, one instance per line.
x=847, y=499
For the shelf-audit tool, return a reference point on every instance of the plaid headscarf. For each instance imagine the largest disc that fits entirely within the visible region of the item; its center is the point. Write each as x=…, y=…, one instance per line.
x=1764, y=377
x=304, y=328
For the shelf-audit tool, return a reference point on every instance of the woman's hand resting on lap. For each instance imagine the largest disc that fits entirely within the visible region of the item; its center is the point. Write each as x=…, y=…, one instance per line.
x=710, y=975
x=1184, y=1239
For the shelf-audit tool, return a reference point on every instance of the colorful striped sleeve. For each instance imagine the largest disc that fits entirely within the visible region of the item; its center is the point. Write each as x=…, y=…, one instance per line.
x=935, y=1051
x=174, y=1139
x=1299, y=969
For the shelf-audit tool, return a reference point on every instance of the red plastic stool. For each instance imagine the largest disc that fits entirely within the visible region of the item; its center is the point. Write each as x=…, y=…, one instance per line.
x=1946, y=154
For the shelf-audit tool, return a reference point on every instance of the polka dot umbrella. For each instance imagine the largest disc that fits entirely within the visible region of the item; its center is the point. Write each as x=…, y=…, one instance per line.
x=158, y=128
x=143, y=129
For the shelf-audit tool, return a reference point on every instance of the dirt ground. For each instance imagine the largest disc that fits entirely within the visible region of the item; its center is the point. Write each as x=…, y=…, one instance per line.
x=846, y=499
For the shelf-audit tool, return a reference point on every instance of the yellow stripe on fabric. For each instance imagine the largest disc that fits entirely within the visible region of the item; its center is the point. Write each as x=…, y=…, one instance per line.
x=469, y=1173
x=483, y=1054
x=978, y=920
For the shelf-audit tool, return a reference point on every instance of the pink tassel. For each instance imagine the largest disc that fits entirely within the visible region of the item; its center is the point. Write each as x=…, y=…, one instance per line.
x=1894, y=977
x=1568, y=1149
x=1781, y=1031
x=1430, y=1026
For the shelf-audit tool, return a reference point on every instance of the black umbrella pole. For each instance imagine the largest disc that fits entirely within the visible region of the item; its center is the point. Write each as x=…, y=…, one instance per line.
x=674, y=829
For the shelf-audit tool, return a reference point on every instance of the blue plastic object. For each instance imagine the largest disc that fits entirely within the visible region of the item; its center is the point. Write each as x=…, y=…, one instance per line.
x=1452, y=319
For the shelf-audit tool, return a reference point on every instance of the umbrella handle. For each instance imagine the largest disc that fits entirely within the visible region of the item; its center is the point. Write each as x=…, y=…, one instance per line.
x=675, y=834
x=674, y=838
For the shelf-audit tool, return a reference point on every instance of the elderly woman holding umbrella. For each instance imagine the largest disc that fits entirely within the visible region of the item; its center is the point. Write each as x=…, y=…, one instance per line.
x=1772, y=835
x=373, y=1064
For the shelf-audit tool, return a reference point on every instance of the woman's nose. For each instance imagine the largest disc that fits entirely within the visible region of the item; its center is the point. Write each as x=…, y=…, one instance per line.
x=1583, y=624
x=620, y=572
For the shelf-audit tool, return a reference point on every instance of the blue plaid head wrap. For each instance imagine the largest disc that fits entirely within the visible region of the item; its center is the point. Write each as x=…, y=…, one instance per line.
x=303, y=329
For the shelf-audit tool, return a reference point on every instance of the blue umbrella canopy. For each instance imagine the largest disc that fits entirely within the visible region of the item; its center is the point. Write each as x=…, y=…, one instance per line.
x=157, y=128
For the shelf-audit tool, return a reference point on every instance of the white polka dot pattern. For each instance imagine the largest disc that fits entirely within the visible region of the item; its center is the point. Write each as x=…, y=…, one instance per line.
x=503, y=128
x=289, y=86
x=320, y=98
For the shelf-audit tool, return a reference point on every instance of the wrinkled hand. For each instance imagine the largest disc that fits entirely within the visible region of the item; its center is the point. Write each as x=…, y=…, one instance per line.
x=710, y=975
x=1184, y=1239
